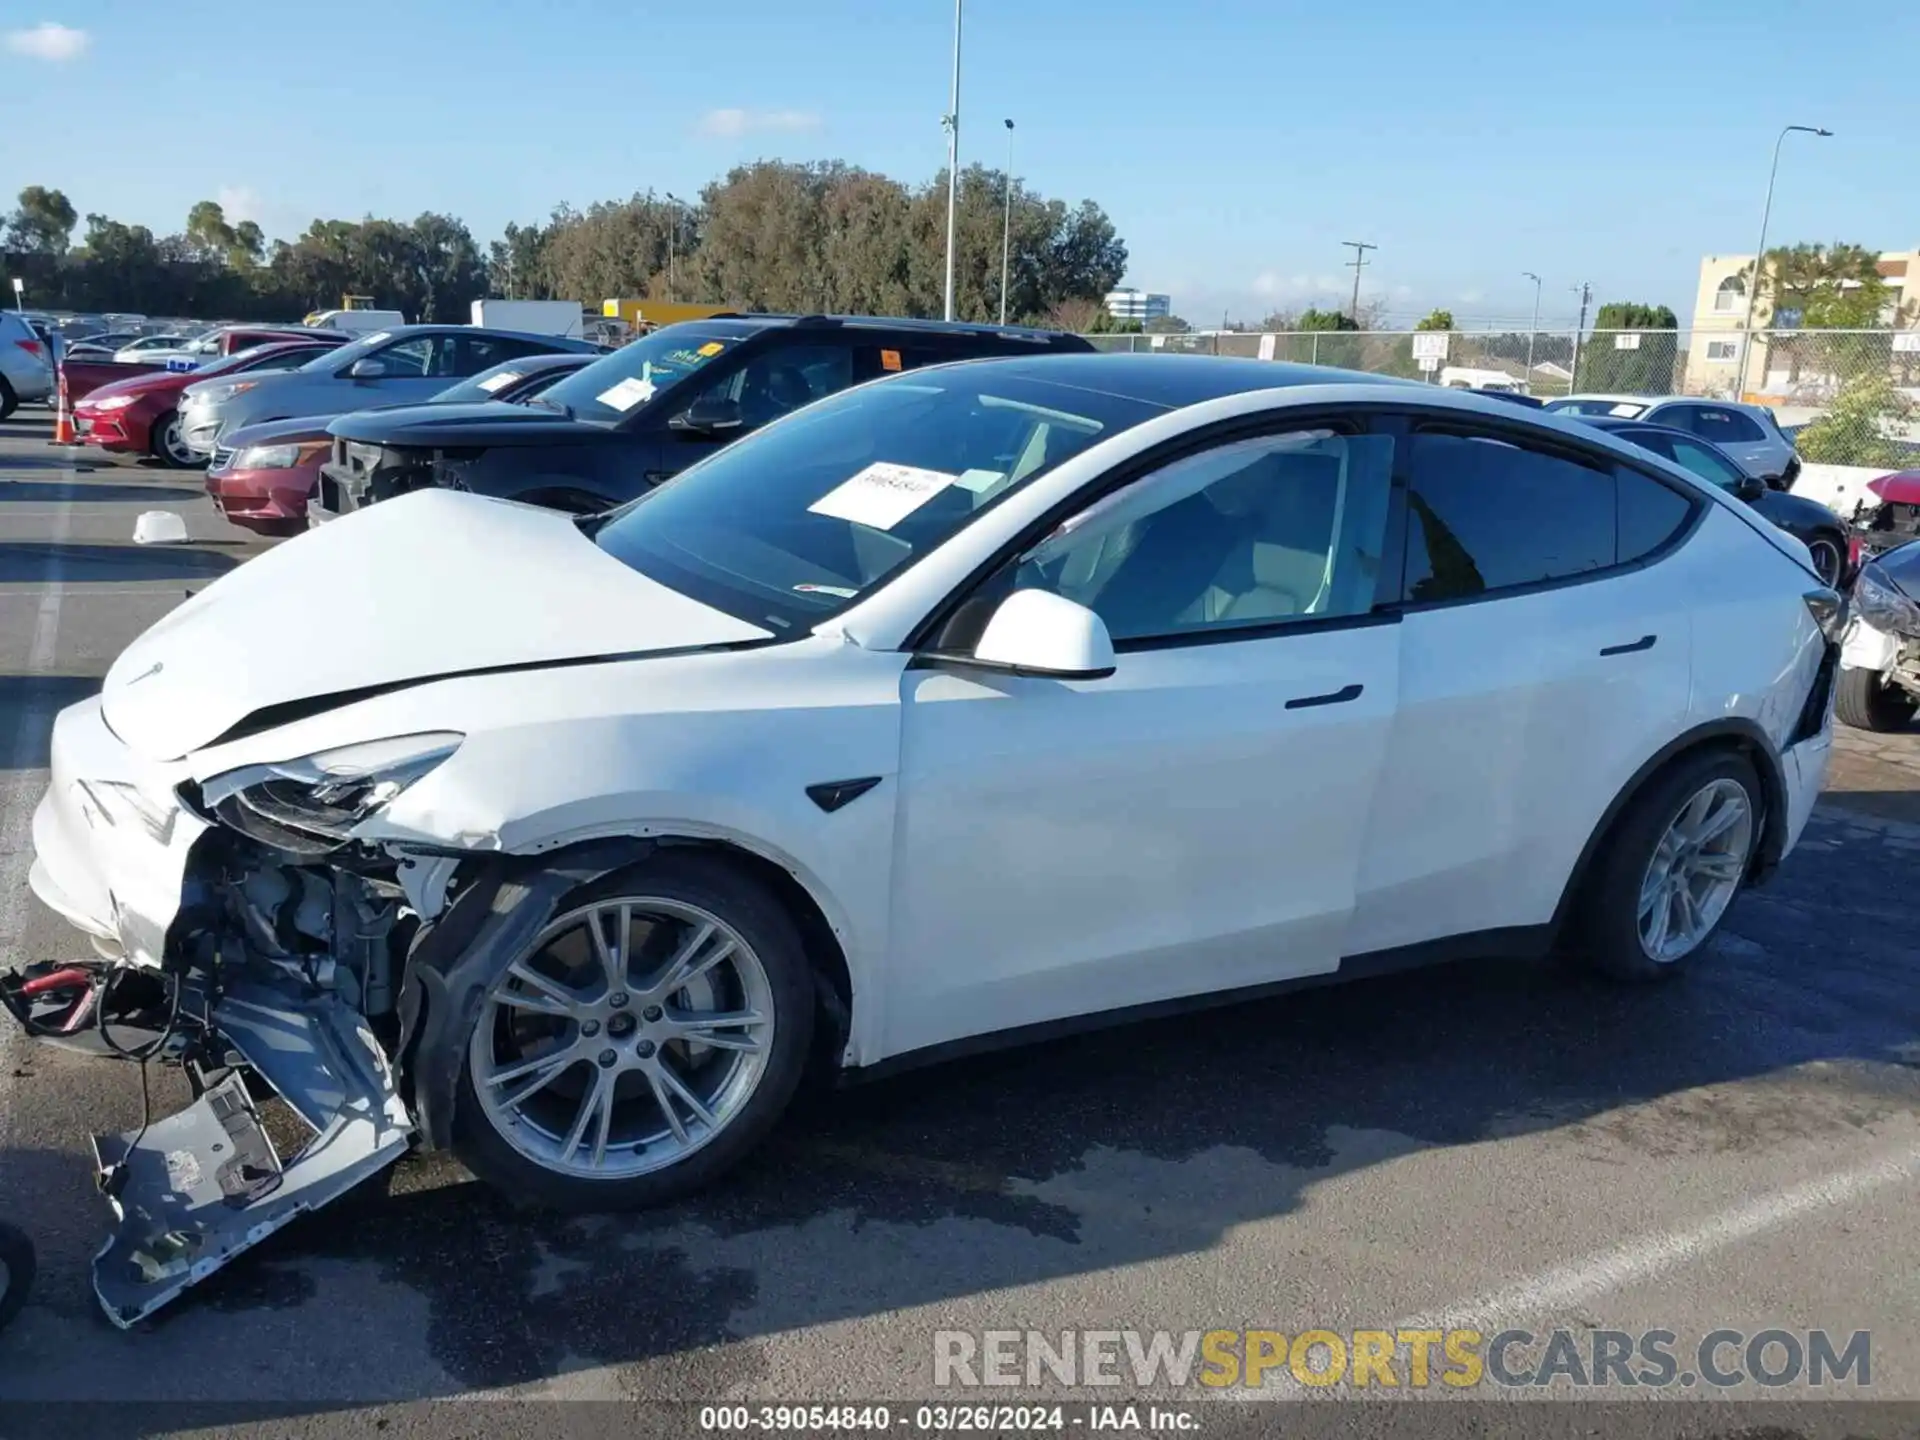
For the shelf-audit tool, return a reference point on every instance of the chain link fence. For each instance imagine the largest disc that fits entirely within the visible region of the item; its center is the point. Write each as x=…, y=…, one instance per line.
x=1848, y=397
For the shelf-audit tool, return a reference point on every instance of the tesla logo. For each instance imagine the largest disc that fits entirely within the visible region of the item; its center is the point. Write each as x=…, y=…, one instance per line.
x=148, y=673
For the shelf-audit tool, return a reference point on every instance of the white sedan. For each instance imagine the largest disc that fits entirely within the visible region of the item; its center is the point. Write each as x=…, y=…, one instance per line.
x=972, y=703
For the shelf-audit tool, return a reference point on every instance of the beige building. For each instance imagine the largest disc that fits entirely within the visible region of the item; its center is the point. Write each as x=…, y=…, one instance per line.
x=1720, y=309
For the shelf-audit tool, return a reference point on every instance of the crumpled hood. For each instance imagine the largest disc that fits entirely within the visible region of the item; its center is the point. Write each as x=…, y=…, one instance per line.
x=431, y=584
x=1902, y=566
x=490, y=422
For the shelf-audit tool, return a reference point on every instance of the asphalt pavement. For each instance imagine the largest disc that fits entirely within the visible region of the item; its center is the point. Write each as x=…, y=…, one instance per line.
x=1485, y=1146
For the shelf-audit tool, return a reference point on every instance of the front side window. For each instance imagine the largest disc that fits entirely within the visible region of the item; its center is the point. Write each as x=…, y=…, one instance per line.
x=418, y=358
x=783, y=379
x=785, y=527
x=1722, y=427
x=1709, y=465
x=1484, y=514
x=1250, y=534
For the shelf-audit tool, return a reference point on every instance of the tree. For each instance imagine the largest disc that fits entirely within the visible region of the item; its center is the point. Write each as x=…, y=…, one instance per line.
x=43, y=225
x=1806, y=288
x=1437, y=320
x=1076, y=314
x=1612, y=358
x=1342, y=351
x=1854, y=430
x=1167, y=325
x=208, y=234
x=1316, y=319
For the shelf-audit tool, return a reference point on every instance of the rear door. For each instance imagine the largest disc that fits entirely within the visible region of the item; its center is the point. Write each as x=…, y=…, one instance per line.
x=1543, y=660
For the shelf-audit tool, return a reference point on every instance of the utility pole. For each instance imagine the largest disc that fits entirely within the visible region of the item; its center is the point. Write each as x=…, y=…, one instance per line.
x=1360, y=248
x=1585, y=292
x=952, y=122
x=673, y=229
x=1760, y=257
x=1536, y=326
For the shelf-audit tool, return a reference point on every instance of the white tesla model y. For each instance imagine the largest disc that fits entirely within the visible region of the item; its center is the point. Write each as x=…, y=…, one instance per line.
x=976, y=701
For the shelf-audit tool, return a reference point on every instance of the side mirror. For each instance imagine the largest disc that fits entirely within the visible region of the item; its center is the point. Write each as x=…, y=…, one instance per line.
x=710, y=415
x=369, y=368
x=1035, y=632
x=1750, y=488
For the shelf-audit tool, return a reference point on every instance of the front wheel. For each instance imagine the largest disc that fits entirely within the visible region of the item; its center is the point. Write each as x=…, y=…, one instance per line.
x=16, y=1273
x=1864, y=700
x=1671, y=868
x=169, y=445
x=641, y=1044
x=1828, y=551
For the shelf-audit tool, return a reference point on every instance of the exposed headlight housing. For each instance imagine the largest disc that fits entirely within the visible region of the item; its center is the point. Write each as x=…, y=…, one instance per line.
x=312, y=805
x=267, y=457
x=111, y=402
x=1883, y=604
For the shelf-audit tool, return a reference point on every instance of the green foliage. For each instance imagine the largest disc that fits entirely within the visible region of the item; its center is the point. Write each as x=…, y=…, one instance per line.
x=1438, y=320
x=1648, y=368
x=43, y=225
x=1166, y=325
x=1854, y=429
x=773, y=236
x=1822, y=287
x=1327, y=320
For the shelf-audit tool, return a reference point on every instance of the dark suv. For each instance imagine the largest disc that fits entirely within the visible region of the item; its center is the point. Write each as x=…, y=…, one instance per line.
x=628, y=421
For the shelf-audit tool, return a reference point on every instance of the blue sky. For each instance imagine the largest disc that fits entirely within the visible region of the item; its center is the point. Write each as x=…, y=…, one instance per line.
x=1236, y=143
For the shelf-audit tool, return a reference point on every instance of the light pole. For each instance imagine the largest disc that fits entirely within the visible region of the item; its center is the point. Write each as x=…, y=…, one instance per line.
x=1536, y=326
x=673, y=229
x=952, y=122
x=1760, y=256
x=1006, y=224
x=1585, y=291
x=1360, y=248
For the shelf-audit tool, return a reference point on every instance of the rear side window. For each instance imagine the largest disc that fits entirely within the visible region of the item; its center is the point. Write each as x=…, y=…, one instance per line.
x=1710, y=422
x=1649, y=514
x=1484, y=514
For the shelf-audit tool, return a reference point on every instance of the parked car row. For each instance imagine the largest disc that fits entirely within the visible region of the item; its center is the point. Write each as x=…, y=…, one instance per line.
x=1012, y=689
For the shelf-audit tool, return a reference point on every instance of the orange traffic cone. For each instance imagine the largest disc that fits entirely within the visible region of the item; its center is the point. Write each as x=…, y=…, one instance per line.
x=63, y=420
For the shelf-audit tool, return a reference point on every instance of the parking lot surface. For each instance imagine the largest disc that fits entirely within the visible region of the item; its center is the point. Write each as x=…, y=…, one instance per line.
x=1487, y=1146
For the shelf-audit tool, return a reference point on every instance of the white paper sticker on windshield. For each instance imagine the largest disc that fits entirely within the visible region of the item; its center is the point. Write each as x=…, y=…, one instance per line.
x=498, y=382
x=633, y=391
x=979, y=481
x=1629, y=411
x=882, y=495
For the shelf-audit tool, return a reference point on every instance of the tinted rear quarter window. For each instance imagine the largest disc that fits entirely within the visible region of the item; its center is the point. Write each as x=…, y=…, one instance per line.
x=1650, y=514
x=1485, y=515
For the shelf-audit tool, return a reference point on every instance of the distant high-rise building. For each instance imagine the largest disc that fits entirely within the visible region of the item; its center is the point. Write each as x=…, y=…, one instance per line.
x=1141, y=305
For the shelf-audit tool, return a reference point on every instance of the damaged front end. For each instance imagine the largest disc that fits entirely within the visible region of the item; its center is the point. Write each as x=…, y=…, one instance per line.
x=1890, y=518
x=279, y=975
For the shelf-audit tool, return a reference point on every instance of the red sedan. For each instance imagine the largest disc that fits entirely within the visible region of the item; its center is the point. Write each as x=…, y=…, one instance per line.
x=261, y=475
x=140, y=416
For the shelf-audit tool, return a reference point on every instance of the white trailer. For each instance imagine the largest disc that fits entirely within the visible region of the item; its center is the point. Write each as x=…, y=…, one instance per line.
x=535, y=317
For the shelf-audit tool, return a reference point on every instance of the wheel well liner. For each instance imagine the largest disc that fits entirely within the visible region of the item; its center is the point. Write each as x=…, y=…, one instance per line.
x=1737, y=735
x=506, y=900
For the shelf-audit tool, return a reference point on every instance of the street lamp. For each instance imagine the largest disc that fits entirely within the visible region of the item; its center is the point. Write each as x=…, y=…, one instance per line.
x=673, y=229
x=1536, y=326
x=952, y=121
x=1006, y=224
x=1760, y=255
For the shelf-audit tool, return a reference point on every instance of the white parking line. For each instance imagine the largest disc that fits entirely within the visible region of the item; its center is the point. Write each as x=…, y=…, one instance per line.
x=21, y=792
x=1647, y=1257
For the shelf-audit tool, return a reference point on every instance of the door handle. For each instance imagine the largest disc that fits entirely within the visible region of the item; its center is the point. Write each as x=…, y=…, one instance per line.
x=1645, y=642
x=1337, y=697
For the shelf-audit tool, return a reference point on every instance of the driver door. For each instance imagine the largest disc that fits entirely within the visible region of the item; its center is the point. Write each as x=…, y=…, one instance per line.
x=1191, y=823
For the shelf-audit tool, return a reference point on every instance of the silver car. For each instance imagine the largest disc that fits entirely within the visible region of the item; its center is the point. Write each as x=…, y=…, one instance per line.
x=26, y=365
x=1749, y=433
x=401, y=366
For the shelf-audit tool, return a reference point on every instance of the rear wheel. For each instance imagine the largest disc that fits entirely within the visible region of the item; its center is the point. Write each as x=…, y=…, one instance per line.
x=642, y=1044
x=1864, y=700
x=9, y=401
x=1672, y=866
x=169, y=445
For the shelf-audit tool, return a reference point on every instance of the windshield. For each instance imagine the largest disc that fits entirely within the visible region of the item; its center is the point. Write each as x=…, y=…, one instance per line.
x=1625, y=409
x=352, y=350
x=800, y=520
x=491, y=384
x=622, y=383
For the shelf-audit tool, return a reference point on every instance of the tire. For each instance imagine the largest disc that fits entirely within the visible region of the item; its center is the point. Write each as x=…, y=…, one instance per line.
x=1865, y=702
x=16, y=1273
x=1828, y=549
x=1608, y=934
x=175, y=456
x=705, y=883
x=9, y=402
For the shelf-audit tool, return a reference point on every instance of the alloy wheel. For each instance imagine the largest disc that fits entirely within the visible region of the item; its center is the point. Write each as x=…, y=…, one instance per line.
x=1695, y=870
x=174, y=445
x=630, y=1034
x=1826, y=560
